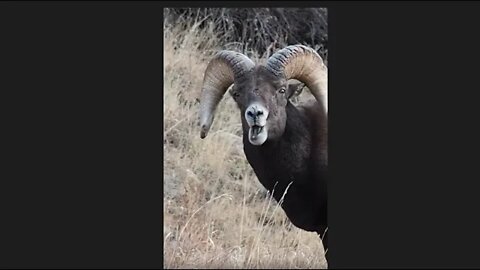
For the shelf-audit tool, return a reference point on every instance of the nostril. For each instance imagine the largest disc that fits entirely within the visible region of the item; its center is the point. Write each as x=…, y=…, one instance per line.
x=259, y=112
x=249, y=113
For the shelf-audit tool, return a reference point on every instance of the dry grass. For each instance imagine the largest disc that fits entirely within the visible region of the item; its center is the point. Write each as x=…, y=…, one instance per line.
x=216, y=213
x=260, y=29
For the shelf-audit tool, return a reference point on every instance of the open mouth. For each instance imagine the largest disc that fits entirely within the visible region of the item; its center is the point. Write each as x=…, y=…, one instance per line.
x=257, y=135
x=255, y=131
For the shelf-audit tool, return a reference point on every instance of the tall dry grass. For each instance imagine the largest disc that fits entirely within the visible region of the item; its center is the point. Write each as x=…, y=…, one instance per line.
x=216, y=213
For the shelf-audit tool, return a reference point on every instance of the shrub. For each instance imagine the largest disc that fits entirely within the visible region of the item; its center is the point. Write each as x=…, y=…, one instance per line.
x=262, y=30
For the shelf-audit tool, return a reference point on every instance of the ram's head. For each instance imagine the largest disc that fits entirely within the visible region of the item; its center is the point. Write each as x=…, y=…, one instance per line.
x=261, y=92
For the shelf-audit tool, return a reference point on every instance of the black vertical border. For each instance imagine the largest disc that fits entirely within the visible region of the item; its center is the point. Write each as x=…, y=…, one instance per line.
x=82, y=107
x=402, y=142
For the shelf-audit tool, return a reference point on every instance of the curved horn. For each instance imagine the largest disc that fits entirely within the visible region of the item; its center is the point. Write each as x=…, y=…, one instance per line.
x=304, y=64
x=225, y=68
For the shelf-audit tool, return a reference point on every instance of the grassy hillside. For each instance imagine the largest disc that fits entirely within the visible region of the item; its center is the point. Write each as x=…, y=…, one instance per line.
x=216, y=213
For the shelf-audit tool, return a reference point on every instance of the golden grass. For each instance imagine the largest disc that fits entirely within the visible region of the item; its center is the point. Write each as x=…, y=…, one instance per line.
x=216, y=213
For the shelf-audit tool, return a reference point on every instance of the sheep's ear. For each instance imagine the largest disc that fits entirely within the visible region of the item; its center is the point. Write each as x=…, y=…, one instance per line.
x=294, y=89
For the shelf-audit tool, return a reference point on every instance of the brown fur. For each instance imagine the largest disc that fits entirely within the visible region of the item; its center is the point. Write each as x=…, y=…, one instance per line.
x=295, y=151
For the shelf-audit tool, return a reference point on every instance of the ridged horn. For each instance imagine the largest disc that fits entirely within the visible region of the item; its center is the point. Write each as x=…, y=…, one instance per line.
x=304, y=64
x=225, y=68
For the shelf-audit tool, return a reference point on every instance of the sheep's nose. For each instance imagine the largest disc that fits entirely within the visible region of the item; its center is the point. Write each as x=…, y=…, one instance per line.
x=254, y=112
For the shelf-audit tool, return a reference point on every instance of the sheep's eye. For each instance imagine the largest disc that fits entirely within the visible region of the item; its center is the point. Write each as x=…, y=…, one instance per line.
x=282, y=90
x=235, y=94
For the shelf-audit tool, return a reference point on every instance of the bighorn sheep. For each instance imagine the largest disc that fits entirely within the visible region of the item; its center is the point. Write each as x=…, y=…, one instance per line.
x=285, y=145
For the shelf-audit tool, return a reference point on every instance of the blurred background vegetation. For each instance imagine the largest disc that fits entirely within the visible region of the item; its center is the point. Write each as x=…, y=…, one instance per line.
x=261, y=30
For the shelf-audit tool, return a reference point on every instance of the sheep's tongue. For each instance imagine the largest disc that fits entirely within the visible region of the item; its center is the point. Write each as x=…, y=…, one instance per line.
x=255, y=131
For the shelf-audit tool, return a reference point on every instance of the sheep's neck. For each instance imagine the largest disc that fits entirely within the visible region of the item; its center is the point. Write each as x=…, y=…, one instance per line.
x=277, y=163
x=287, y=166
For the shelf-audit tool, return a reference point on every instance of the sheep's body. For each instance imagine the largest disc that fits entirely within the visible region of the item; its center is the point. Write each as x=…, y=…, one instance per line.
x=298, y=161
x=285, y=145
